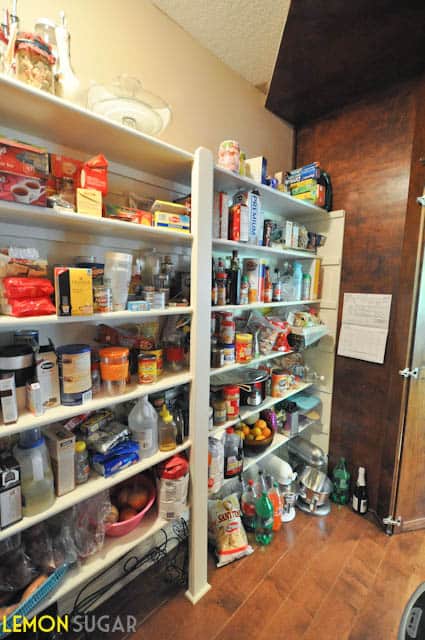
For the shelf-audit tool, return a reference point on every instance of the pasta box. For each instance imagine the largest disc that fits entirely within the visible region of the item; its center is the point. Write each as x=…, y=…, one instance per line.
x=23, y=172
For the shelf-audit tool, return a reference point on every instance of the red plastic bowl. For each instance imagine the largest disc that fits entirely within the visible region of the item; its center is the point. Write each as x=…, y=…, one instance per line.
x=122, y=528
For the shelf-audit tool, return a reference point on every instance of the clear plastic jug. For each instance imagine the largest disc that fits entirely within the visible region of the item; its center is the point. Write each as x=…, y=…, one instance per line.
x=37, y=482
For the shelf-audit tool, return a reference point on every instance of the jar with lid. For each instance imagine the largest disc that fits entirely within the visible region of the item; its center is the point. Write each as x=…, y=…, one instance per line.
x=231, y=398
x=102, y=299
x=114, y=369
x=220, y=413
x=81, y=461
x=34, y=62
x=228, y=330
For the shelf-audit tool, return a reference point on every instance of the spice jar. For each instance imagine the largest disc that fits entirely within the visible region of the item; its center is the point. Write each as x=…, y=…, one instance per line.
x=243, y=347
x=114, y=369
x=227, y=334
x=231, y=398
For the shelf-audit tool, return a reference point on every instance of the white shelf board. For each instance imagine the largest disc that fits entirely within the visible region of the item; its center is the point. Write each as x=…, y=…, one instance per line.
x=231, y=245
x=29, y=215
x=267, y=404
x=9, y=322
x=272, y=200
x=262, y=305
x=93, y=486
x=70, y=125
x=112, y=550
x=56, y=414
x=252, y=363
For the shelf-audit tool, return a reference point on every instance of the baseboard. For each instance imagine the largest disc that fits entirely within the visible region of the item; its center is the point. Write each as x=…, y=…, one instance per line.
x=195, y=598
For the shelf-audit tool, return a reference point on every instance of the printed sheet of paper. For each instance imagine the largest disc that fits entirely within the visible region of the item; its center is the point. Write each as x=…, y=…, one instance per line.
x=364, y=329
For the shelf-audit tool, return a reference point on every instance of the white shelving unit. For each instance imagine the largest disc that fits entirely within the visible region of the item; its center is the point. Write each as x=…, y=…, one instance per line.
x=161, y=171
x=263, y=305
x=253, y=363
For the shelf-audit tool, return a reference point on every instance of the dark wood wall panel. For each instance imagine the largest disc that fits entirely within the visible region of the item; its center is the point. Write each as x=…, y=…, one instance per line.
x=366, y=148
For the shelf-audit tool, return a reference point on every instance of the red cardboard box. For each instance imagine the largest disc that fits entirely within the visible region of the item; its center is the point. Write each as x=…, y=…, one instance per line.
x=23, y=172
x=65, y=167
x=94, y=174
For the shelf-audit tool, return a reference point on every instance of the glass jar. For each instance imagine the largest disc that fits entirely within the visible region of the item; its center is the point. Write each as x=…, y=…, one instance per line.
x=34, y=62
x=67, y=191
x=114, y=369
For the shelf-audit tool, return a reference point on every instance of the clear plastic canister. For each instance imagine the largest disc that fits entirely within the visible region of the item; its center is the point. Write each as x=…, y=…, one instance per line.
x=118, y=275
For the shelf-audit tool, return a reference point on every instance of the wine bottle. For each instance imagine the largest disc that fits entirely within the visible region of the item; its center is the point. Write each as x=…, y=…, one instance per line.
x=360, y=500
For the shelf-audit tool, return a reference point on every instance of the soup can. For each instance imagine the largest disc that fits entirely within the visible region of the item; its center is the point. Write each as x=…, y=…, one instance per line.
x=147, y=369
x=243, y=347
x=75, y=374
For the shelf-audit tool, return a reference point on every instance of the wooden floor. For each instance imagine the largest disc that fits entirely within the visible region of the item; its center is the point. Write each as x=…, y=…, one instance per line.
x=332, y=578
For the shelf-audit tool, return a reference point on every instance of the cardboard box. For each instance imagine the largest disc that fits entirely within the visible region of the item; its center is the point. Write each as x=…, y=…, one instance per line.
x=89, y=202
x=172, y=221
x=73, y=291
x=23, y=159
x=10, y=491
x=288, y=233
x=256, y=169
x=94, y=174
x=128, y=214
x=61, y=445
x=65, y=167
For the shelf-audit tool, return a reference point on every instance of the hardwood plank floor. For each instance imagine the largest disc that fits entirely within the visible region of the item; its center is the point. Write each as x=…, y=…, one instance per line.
x=333, y=578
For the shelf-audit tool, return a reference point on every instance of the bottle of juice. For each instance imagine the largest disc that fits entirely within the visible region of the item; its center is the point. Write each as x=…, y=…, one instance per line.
x=276, y=500
x=264, y=519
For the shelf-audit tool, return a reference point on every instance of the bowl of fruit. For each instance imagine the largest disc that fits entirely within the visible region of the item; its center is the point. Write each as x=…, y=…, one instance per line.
x=130, y=502
x=256, y=437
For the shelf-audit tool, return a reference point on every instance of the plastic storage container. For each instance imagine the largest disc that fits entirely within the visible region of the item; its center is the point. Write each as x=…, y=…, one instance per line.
x=143, y=424
x=37, y=483
x=75, y=374
x=118, y=275
x=114, y=369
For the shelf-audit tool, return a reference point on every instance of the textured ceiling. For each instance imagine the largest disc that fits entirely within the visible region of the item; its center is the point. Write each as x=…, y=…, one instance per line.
x=244, y=34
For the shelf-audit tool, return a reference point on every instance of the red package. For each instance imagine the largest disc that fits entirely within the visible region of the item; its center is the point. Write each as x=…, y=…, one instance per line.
x=94, y=174
x=21, y=288
x=65, y=167
x=281, y=343
x=29, y=307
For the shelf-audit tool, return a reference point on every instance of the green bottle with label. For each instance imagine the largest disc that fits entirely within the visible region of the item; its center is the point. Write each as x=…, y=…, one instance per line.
x=341, y=483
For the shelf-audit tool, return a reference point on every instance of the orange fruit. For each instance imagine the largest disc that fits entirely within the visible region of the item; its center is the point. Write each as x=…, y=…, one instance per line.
x=261, y=424
x=261, y=437
x=138, y=498
x=267, y=432
x=127, y=513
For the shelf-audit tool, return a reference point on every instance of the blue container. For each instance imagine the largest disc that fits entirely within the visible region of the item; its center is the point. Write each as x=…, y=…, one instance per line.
x=75, y=374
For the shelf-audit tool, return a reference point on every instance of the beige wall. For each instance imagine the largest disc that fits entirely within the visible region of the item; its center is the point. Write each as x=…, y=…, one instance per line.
x=210, y=102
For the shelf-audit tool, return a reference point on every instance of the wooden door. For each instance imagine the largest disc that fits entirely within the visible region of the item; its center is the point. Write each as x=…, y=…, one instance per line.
x=409, y=499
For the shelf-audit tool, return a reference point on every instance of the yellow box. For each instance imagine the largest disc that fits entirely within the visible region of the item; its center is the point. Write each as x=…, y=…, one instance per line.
x=89, y=201
x=73, y=291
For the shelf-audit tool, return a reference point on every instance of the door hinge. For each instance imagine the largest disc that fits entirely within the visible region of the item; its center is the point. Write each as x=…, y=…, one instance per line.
x=421, y=201
x=410, y=373
x=389, y=521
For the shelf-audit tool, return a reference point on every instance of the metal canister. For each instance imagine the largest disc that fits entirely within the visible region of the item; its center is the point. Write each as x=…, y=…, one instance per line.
x=282, y=380
x=26, y=336
x=75, y=374
x=147, y=369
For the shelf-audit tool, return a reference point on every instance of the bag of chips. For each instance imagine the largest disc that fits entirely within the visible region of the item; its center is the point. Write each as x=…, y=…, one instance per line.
x=226, y=531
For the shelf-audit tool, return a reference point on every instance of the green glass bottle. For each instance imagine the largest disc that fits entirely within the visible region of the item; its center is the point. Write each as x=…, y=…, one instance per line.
x=341, y=483
x=264, y=519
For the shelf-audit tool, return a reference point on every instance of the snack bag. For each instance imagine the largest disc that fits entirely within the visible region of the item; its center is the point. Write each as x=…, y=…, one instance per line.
x=226, y=529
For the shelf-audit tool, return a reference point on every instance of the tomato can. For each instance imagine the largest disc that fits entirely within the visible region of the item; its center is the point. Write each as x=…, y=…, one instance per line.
x=243, y=347
x=147, y=369
x=231, y=398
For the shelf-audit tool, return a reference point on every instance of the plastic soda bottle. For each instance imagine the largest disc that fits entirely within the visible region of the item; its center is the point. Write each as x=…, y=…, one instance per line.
x=276, y=500
x=248, y=501
x=264, y=519
x=341, y=483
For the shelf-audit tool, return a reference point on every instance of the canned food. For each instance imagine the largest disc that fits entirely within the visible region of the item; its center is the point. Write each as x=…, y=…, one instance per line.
x=102, y=299
x=147, y=369
x=231, y=398
x=281, y=381
x=229, y=354
x=159, y=355
x=75, y=374
x=243, y=347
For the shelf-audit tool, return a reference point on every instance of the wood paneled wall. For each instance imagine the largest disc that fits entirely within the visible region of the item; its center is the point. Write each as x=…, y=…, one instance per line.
x=367, y=149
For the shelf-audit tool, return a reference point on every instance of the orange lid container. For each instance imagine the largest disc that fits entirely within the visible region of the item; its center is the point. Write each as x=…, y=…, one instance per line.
x=114, y=363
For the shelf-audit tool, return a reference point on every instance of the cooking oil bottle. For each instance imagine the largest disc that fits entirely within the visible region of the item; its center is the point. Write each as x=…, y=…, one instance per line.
x=167, y=430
